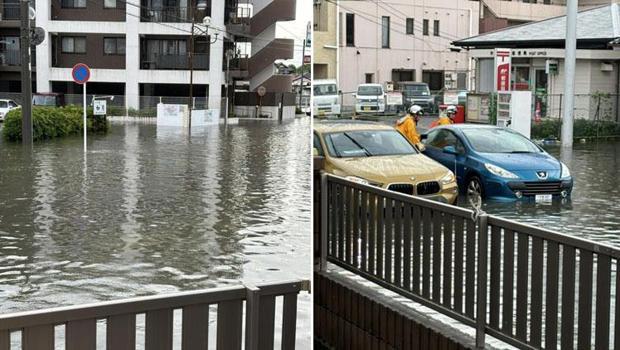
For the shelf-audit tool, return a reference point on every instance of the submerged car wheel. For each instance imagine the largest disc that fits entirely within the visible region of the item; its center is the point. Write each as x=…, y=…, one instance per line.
x=474, y=187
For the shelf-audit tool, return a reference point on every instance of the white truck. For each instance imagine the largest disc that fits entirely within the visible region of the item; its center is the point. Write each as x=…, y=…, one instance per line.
x=326, y=100
x=370, y=98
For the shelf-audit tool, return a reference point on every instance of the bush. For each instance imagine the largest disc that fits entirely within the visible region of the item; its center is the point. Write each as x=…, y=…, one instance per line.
x=52, y=122
x=582, y=128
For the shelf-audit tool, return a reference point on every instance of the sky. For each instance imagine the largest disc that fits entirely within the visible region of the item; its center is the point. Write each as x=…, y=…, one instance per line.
x=297, y=29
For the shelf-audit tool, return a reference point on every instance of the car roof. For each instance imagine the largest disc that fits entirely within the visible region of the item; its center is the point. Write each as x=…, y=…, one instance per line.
x=348, y=125
x=462, y=126
x=370, y=84
x=412, y=83
x=324, y=81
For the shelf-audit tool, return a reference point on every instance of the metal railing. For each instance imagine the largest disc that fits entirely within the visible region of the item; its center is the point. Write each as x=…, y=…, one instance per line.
x=178, y=61
x=153, y=101
x=513, y=281
x=10, y=12
x=38, y=328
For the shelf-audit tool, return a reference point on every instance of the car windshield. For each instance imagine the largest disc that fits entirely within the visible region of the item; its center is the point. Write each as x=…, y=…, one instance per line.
x=325, y=89
x=3, y=104
x=496, y=140
x=367, y=143
x=369, y=90
x=43, y=100
x=417, y=90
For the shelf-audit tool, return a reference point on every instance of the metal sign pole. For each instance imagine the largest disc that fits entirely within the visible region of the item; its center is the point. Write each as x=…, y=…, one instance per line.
x=85, y=128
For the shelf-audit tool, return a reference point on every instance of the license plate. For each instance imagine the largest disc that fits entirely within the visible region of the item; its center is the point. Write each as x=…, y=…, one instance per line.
x=321, y=112
x=543, y=198
x=366, y=108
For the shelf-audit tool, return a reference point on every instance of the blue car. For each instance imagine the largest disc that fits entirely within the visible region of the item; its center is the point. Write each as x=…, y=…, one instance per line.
x=498, y=163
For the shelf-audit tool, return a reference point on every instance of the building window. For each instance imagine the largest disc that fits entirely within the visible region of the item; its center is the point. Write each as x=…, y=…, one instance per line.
x=73, y=44
x=369, y=78
x=385, y=32
x=410, y=26
x=72, y=4
x=425, y=27
x=109, y=4
x=114, y=46
x=350, y=29
x=436, y=27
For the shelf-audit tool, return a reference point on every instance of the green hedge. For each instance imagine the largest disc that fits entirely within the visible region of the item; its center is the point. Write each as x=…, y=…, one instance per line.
x=582, y=128
x=52, y=122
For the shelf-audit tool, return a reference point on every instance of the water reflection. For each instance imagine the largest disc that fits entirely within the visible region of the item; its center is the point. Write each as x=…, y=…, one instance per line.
x=153, y=212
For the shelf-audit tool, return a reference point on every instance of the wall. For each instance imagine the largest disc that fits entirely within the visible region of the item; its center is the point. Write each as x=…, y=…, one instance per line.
x=458, y=19
x=325, y=40
x=94, y=11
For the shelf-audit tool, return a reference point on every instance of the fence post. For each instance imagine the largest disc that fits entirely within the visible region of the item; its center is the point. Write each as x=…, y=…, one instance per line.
x=324, y=223
x=481, y=300
x=252, y=321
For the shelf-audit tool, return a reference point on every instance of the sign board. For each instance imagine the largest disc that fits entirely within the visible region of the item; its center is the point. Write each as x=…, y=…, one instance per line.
x=80, y=73
x=394, y=98
x=502, y=69
x=307, y=59
x=478, y=108
x=172, y=115
x=450, y=97
x=100, y=107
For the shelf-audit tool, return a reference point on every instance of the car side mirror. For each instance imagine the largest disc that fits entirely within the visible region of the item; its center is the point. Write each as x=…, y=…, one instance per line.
x=315, y=152
x=423, y=137
x=450, y=150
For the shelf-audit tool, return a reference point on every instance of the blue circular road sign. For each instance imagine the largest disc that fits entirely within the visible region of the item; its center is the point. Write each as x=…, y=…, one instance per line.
x=80, y=73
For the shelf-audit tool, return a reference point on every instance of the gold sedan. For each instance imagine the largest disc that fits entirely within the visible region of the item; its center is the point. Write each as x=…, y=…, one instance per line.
x=379, y=155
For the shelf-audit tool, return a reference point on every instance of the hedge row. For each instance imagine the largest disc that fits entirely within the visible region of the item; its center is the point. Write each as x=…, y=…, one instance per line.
x=52, y=122
x=582, y=128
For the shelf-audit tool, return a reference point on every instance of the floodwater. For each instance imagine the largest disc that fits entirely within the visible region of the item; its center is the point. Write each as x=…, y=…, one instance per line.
x=155, y=211
x=593, y=211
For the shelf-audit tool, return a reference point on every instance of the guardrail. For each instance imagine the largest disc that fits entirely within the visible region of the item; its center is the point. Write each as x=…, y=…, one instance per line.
x=38, y=328
x=513, y=281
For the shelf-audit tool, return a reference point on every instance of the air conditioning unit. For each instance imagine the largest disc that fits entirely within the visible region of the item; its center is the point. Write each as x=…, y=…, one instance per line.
x=607, y=67
x=317, y=2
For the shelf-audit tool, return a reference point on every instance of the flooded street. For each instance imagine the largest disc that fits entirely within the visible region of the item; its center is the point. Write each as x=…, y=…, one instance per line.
x=155, y=212
x=594, y=209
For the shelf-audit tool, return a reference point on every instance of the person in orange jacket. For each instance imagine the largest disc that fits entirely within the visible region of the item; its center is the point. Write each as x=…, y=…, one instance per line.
x=448, y=117
x=407, y=126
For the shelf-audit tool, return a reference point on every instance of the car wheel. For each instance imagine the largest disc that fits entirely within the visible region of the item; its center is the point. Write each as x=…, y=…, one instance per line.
x=474, y=187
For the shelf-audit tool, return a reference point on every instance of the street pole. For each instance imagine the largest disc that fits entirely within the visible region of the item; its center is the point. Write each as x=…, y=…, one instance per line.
x=191, y=64
x=569, y=73
x=301, y=82
x=84, y=117
x=228, y=54
x=25, y=72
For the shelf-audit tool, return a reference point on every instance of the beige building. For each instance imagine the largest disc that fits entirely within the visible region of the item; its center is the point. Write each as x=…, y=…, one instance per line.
x=325, y=40
x=405, y=40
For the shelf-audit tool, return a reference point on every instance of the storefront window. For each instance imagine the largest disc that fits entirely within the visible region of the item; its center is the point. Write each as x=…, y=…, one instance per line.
x=521, y=78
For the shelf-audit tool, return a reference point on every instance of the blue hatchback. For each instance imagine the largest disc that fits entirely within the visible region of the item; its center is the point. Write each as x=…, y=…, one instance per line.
x=498, y=163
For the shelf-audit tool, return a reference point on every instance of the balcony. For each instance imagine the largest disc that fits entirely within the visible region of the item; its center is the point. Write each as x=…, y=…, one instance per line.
x=239, y=67
x=175, y=14
x=10, y=57
x=174, y=61
x=10, y=12
x=238, y=21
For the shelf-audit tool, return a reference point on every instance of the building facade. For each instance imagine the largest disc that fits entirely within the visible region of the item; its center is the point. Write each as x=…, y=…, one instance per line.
x=140, y=49
x=10, y=60
x=325, y=48
x=405, y=41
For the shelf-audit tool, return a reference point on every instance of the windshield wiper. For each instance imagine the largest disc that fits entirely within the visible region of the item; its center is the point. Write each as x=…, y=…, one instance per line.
x=368, y=154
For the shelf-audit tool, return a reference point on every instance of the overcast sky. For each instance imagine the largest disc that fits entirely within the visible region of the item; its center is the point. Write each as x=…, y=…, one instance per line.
x=297, y=29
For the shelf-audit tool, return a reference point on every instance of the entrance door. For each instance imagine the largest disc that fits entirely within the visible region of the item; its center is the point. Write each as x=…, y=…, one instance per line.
x=540, y=93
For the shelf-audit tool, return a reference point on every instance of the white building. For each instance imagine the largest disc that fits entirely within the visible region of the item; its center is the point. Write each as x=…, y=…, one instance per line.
x=139, y=48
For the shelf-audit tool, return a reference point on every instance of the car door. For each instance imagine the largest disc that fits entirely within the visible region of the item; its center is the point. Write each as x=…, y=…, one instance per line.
x=435, y=143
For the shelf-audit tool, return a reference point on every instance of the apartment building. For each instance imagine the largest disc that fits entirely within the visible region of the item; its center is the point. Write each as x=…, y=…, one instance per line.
x=140, y=48
x=325, y=39
x=10, y=75
x=405, y=40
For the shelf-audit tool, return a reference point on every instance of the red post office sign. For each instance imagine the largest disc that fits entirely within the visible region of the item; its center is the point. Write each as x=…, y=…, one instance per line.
x=503, y=67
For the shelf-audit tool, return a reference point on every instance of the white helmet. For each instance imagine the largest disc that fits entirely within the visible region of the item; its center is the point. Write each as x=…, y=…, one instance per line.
x=451, y=110
x=415, y=109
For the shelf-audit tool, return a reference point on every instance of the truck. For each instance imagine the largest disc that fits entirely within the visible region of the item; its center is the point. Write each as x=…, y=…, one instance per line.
x=415, y=93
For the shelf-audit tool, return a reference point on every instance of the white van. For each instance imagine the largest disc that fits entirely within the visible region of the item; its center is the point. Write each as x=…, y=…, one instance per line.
x=326, y=99
x=370, y=98
x=5, y=107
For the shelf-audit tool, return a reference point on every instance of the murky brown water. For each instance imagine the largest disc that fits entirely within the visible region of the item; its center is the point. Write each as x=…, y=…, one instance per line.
x=154, y=212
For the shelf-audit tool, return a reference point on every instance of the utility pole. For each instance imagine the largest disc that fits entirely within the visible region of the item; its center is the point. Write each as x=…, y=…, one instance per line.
x=191, y=64
x=24, y=46
x=301, y=82
x=570, y=59
x=229, y=53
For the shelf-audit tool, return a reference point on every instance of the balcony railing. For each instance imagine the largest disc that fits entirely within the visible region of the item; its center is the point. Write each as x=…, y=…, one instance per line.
x=10, y=12
x=257, y=303
x=10, y=57
x=178, y=61
x=171, y=14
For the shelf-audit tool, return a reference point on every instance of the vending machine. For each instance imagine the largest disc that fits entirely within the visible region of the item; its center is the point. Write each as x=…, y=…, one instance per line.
x=514, y=111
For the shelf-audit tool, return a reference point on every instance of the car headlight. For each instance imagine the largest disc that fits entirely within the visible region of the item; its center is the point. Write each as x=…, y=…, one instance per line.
x=495, y=170
x=447, y=179
x=358, y=180
x=565, y=171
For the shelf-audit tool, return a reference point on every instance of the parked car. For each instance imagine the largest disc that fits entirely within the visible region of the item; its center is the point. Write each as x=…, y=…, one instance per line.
x=6, y=106
x=48, y=99
x=370, y=98
x=378, y=155
x=498, y=163
x=417, y=94
x=326, y=101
